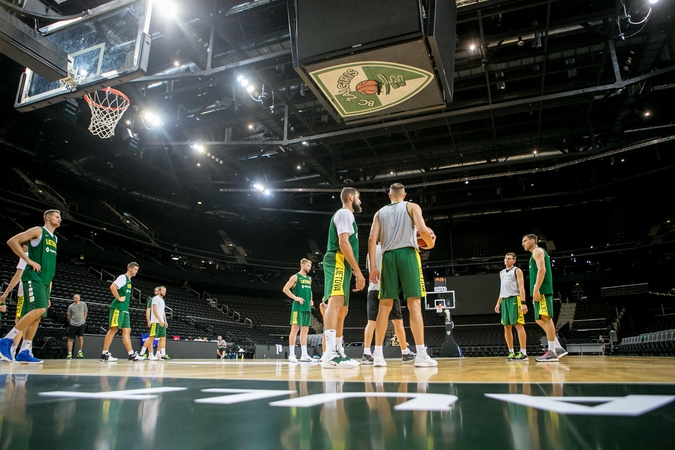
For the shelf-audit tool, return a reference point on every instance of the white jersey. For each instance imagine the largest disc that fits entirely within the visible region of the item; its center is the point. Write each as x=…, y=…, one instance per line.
x=509, y=283
x=159, y=301
x=378, y=261
x=21, y=265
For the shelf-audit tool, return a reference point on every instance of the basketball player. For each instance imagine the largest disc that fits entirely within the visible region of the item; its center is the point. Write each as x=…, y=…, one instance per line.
x=541, y=289
x=299, y=289
x=512, y=290
x=340, y=260
x=394, y=228
x=159, y=324
x=37, y=282
x=16, y=280
x=396, y=317
x=148, y=310
x=119, y=315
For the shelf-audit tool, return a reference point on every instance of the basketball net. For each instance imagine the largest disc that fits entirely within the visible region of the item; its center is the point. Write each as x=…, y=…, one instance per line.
x=107, y=106
x=439, y=308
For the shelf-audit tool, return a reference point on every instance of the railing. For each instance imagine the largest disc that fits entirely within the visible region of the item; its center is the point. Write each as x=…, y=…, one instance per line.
x=189, y=289
x=248, y=322
x=99, y=273
x=170, y=312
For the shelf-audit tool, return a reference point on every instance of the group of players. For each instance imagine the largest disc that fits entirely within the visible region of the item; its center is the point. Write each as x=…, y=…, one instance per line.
x=37, y=249
x=394, y=266
x=393, y=263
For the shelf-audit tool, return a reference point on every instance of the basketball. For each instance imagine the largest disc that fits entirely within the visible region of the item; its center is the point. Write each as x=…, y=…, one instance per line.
x=368, y=87
x=420, y=241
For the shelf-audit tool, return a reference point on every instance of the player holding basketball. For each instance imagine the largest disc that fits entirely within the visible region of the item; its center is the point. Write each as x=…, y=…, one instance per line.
x=395, y=316
x=511, y=292
x=299, y=289
x=394, y=228
x=340, y=260
x=37, y=282
x=119, y=315
x=541, y=289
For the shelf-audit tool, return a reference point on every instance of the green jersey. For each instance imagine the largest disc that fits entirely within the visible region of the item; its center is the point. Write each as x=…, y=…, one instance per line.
x=547, y=285
x=123, y=283
x=44, y=253
x=302, y=289
x=150, y=302
x=334, y=235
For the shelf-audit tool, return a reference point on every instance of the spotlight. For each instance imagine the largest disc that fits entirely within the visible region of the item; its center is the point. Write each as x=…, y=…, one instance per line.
x=250, y=126
x=647, y=114
x=176, y=63
x=520, y=42
x=250, y=88
x=472, y=47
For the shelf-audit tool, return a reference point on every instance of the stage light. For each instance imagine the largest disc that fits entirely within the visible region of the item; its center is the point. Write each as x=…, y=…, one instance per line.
x=250, y=88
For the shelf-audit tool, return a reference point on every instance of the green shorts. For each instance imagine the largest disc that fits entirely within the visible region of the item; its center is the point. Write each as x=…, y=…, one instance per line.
x=156, y=330
x=337, y=276
x=544, y=307
x=512, y=314
x=301, y=318
x=118, y=319
x=401, y=270
x=35, y=296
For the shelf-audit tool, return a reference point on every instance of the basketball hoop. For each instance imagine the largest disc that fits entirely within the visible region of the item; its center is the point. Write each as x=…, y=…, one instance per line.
x=107, y=107
x=439, y=308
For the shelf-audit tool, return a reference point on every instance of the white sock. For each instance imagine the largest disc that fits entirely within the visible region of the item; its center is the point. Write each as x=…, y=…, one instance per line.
x=291, y=350
x=523, y=351
x=330, y=341
x=12, y=333
x=338, y=344
x=378, y=350
x=557, y=343
x=303, y=349
x=421, y=350
x=551, y=345
x=510, y=350
x=366, y=351
x=406, y=351
x=131, y=353
x=143, y=350
x=163, y=352
x=27, y=345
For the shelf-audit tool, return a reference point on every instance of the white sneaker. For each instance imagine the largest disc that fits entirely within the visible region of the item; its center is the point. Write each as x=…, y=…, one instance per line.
x=306, y=358
x=152, y=357
x=378, y=361
x=347, y=363
x=292, y=359
x=344, y=356
x=330, y=361
x=424, y=360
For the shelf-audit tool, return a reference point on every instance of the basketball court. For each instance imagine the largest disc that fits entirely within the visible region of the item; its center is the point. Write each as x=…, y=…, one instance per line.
x=580, y=402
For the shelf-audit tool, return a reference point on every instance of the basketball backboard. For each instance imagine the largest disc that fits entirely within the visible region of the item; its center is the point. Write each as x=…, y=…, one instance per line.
x=108, y=46
x=444, y=300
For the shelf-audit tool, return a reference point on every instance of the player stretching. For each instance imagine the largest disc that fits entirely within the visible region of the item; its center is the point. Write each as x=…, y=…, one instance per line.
x=299, y=289
x=511, y=292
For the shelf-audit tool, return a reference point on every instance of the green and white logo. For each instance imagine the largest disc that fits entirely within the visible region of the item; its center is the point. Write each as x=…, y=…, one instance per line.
x=365, y=87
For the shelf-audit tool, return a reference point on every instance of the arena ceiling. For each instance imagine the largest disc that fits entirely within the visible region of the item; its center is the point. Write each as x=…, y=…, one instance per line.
x=554, y=101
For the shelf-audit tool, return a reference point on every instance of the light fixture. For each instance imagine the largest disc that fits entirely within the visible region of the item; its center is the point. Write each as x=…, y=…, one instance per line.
x=250, y=126
x=472, y=47
x=299, y=167
x=520, y=42
x=199, y=203
x=647, y=114
x=198, y=147
x=250, y=88
x=176, y=63
x=534, y=153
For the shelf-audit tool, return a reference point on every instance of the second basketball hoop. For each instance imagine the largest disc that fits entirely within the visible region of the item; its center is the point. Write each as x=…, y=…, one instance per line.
x=107, y=106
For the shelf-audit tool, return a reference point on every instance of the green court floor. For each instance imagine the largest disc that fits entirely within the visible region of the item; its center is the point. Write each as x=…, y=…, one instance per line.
x=113, y=412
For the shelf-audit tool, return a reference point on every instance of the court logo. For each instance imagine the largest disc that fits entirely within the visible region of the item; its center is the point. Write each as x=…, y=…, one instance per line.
x=365, y=87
